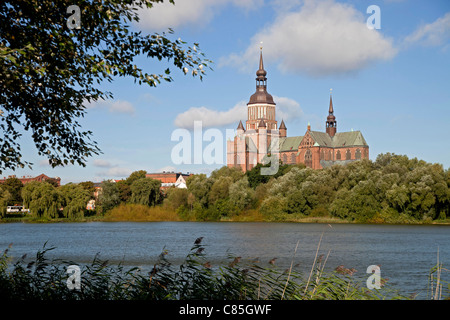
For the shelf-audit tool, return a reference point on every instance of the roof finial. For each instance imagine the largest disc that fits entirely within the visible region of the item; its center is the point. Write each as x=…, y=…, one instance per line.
x=330, y=110
x=261, y=45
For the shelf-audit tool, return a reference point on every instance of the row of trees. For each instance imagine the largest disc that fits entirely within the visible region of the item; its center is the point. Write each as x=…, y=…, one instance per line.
x=48, y=200
x=393, y=188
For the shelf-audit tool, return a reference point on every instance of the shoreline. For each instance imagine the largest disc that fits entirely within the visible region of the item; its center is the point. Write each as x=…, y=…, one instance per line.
x=318, y=220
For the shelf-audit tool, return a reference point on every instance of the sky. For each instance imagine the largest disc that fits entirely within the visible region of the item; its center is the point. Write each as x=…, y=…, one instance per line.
x=388, y=68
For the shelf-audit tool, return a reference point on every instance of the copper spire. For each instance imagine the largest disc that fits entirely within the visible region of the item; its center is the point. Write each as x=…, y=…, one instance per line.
x=331, y=122
x=330, y=110
x=261, y=95
x=261, y=73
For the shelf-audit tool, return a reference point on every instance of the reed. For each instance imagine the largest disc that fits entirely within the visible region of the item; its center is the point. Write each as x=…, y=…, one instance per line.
x=140, y=213
x=195, y=278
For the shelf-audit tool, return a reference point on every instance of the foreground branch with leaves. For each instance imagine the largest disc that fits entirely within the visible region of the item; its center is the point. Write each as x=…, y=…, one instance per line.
x=50, y=72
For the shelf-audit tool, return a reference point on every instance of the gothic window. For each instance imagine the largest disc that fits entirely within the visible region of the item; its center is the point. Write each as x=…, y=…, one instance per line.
x=348, y=155
x=338, y=155
x=308, y=158
x=285, y=158
x=293, y=160
x=322, y=155
x=358, y=154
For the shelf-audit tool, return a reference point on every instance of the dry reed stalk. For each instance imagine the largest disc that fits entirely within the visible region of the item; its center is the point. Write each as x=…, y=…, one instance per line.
x=320, y=272
x=314, y=263
x=290, y=270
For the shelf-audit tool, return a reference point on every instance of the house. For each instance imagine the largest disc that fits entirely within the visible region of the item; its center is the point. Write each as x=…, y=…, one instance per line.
x=26, y=179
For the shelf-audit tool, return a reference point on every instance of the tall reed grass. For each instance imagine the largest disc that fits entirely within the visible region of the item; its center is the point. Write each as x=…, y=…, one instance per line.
x=194, y=279
x=140, y=213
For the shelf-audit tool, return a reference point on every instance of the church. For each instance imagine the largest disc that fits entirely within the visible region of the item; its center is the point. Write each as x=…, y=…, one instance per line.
x=261, y=137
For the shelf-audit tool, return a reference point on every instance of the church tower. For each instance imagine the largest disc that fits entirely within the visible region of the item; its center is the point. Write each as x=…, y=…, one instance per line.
x=331, y=123
x=261, y=104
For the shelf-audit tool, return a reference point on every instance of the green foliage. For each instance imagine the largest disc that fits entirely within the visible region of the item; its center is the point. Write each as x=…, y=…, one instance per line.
x=43, y=199
x=14, y=186
x=145, y=191
x=109, y=195
x=5, y=198
x=49, y=72
x=74, y=200
x=195, y=278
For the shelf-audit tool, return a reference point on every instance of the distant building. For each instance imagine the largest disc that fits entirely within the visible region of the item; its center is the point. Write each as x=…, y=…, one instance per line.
x=26, y=179
x=315, y=149
x=170, y=179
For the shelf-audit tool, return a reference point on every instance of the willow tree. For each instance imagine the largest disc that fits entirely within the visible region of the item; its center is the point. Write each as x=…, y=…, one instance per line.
x=145, y=191
x=42, y=198
x=5, y=198
x=54, y=58
x=74, y=200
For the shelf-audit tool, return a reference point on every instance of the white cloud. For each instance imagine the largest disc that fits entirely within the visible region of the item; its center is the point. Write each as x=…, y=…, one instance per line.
x=211, y=118
x=186, y=12
x=432, y=34
x=116, y=172
x=321, y=38
x=102, y=163
x=114, y=106
x=286, y=109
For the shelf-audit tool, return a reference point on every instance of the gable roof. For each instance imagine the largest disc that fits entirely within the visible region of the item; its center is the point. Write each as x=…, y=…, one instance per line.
x=290, y=143
x=341, y=139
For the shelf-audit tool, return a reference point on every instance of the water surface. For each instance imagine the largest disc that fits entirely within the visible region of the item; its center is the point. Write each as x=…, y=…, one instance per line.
x=405, y=252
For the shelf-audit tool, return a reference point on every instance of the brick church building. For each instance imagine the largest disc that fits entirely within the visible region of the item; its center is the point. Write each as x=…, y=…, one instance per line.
x=261, y=134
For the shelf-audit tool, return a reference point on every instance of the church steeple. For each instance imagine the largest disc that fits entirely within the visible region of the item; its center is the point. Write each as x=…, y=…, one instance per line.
x=261, y=95
x=331, y=123
x=261, y=104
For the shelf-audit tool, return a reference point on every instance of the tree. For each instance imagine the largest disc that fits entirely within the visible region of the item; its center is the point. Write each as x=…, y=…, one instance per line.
x=42, y=198
x=14, y=187
x=88, y=186
x=241, y=195
x=50, y=70
x=145, y=191
x=109, y=195
x=124, y=190
x=177, y=197
x=199, y=186
x=5, y=198
x=135, y=176
x=74, y=198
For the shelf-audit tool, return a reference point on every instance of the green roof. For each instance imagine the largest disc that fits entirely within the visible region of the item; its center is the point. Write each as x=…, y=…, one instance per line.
x=290, y=143
x=341, y=139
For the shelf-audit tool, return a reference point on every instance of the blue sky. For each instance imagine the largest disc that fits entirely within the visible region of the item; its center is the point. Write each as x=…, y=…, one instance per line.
x=392, y=83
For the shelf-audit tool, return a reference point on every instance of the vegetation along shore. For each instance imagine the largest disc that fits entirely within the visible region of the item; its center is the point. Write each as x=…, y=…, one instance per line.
x=391, y=189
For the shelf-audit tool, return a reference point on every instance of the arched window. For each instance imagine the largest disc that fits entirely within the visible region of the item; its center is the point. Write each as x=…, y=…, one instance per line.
x=322, y=155
x=358, y=154
x=338, y=155
x=293, y=158
x=348, y=155
x=285, y=158
x=308, y=158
